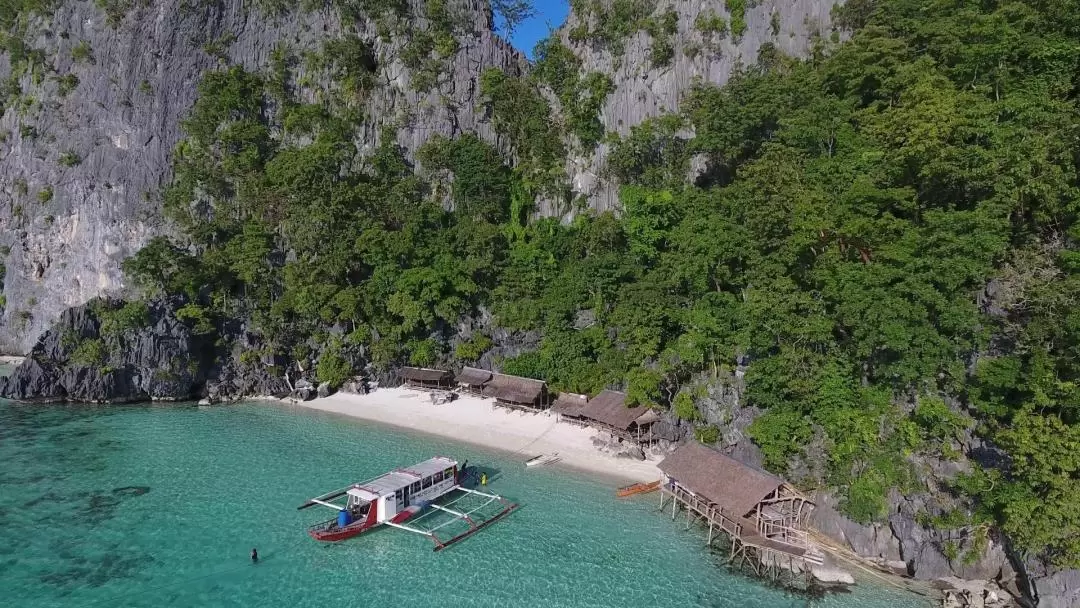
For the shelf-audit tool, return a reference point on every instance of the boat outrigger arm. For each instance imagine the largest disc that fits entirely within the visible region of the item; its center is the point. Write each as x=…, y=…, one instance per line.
x=474, y=526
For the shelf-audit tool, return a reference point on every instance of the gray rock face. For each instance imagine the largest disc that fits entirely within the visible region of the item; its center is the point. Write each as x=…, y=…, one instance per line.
x=870, y=541
x=79, y=360
x=122, y=120
x=1053, y=588
x=643, y=91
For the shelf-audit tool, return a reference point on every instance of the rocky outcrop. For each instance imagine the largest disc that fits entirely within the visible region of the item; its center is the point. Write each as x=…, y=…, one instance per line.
x=103, y=352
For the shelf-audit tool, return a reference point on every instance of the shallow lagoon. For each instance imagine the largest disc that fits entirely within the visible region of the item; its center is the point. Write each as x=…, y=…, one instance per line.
x=160, y=506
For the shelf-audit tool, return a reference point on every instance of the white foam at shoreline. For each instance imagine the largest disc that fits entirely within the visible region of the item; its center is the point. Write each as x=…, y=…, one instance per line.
x=475, y=420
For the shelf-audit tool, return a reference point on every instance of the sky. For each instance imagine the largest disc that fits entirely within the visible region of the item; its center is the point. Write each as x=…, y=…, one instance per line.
x=550, y=14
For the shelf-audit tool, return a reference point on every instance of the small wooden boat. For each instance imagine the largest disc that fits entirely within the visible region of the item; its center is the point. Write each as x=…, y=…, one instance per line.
x=542, y=460
x=637, y=488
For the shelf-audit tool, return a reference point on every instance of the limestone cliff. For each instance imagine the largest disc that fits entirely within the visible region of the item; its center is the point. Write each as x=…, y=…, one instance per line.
x=677, y=45
x=95, y=93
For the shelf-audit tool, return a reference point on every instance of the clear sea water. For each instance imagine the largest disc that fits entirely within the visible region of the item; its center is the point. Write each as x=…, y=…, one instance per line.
x=160, y=506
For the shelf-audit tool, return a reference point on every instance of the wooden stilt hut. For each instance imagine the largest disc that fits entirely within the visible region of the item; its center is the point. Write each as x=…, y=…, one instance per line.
x=472, y=380
x=608, y=412
x=420, y=377
x=764, y=516
x=516, y=392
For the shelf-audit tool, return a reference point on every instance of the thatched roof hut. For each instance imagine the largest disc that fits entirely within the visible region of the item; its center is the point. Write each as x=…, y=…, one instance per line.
x=609, y=408
x=424, y=377
x=517, y=391
x=569, y=404
x=733, y=485
x=473, y=377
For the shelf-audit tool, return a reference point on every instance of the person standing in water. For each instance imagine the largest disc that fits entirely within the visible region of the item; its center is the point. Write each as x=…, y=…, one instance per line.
x=254, y=555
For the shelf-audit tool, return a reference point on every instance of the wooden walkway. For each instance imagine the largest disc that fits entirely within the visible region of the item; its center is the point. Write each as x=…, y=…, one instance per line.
x=747, y=542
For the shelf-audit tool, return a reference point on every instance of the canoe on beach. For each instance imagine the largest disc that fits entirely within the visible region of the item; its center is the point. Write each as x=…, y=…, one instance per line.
x=637, y=488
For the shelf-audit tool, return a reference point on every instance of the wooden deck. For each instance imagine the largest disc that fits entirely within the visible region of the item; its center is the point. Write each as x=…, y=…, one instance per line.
x=763, y=551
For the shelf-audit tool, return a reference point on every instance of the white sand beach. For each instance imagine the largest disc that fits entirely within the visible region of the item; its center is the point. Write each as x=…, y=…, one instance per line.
x=476, y=420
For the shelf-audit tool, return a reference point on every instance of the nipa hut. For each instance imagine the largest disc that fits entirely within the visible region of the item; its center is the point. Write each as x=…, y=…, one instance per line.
x=473, y=379
x=568, y=407
x=517, y=392
x=420, y=377
x=608, y=411
x=763, y=511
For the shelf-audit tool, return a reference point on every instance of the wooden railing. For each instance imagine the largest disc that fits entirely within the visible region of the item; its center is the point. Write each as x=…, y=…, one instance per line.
x=710, y=511
x=784, y=534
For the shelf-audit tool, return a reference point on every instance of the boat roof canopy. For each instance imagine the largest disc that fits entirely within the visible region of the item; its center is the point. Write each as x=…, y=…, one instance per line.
x=391, y=482
x=362, y=494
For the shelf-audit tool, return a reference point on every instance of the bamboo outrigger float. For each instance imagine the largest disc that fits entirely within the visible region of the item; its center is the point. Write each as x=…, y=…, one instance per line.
x=404, y=495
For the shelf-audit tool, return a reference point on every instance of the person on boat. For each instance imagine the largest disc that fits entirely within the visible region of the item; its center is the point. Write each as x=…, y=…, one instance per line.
x=483, y=479
x=254, y=555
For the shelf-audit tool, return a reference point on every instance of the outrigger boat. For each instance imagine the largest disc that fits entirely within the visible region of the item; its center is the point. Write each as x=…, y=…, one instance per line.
x=403, y=495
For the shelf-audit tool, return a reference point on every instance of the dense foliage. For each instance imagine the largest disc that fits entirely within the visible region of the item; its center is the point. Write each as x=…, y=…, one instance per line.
x=886, y=231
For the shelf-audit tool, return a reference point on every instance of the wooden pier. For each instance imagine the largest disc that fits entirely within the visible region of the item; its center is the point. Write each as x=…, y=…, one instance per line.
x=761, y=516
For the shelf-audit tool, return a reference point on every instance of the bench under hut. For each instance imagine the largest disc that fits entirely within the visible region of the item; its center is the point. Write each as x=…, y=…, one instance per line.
x=568, y=408
x=421, y=377
x=608, y=412
x=516, y=392
x=472, y=380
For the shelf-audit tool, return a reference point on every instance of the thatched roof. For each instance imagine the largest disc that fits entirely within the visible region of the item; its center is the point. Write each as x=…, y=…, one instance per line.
x=609, y=407
x=514, y=389
x=735, y=486
x=649, y=417
x=421, y=374
x=473, y=376
x=569, y=404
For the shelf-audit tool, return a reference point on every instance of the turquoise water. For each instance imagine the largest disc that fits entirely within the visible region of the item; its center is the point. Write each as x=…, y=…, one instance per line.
x=160, y=506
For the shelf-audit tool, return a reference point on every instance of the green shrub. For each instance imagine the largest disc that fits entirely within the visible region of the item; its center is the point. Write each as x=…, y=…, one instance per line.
x=66, y=84
x=711, y=25
x=473, y=348
x=199, y=319
x=707, y=434
x=333, y=368
x=132, y=315
x=89, y=353
x=45, y=195
x=864, y=500
x=737, y=10
x=82, y=53
x=70, y=159
x=684, y=408
x=422, y=352
x=115, y=10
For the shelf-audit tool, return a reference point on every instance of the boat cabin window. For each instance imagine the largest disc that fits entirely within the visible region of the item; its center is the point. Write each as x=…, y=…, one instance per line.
x=415, y=487
x=398, y=496
x=449, y=473
x=437, y=477
x=427, y=482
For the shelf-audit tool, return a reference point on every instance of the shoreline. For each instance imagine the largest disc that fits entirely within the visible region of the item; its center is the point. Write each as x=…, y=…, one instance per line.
x=477, y=421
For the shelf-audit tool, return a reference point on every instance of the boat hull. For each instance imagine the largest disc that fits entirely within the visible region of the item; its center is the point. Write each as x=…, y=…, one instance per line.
x=637, y=488
x=336, y=534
